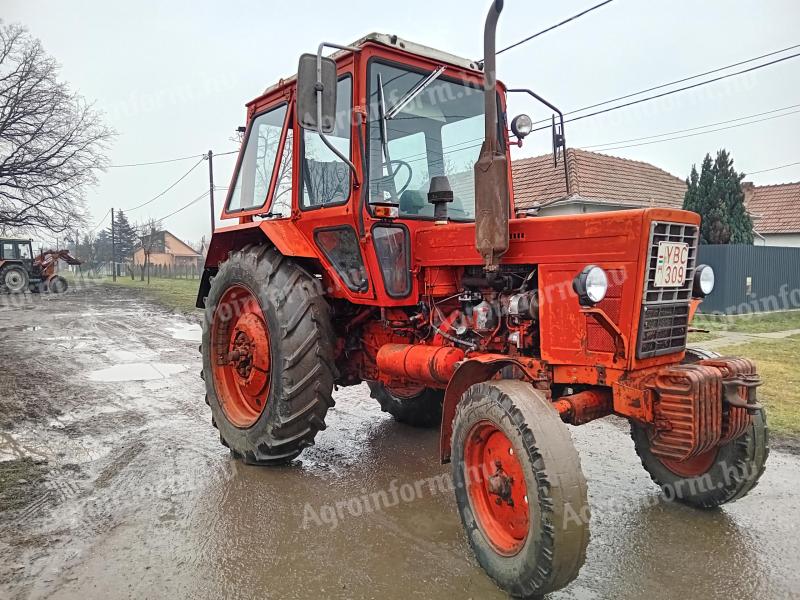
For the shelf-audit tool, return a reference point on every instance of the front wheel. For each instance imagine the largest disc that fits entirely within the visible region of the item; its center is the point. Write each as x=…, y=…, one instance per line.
x=519, y=488
x=716, y=477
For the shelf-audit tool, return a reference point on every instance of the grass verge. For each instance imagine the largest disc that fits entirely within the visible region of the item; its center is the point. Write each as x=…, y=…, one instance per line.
x=777, y=364
x=752, y=323
x=178, y=294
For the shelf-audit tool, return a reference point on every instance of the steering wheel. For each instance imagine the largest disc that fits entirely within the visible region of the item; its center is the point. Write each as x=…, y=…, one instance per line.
x=393, y=174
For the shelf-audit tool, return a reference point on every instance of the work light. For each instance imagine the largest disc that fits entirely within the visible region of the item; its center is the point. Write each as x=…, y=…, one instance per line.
x=522, y=125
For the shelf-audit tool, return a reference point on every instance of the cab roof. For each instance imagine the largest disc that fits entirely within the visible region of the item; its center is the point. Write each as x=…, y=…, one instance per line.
x=393, y=41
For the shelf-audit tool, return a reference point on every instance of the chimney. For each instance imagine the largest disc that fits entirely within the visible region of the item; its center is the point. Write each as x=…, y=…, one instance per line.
x=749, y=189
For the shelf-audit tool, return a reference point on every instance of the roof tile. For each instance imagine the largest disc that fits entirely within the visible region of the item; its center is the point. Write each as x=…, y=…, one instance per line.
x=595, y=176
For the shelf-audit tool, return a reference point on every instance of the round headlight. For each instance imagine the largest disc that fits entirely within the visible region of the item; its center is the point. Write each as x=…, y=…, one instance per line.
x=591, y=285
x=522, y=125
x=703, y=281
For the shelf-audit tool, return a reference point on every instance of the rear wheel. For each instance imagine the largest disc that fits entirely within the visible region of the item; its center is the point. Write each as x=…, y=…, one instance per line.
x=14, y=279
x=267, y=356
x=417, y=406
x=519, y=486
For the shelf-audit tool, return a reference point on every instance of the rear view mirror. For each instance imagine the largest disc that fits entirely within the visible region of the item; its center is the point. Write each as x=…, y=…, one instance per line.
x=316, y=104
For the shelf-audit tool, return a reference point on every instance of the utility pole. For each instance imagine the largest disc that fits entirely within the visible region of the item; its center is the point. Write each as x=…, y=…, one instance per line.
x=113, y=250
x=211, y=186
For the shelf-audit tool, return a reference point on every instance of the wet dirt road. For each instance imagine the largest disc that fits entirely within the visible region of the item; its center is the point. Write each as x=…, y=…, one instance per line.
x=125, y=492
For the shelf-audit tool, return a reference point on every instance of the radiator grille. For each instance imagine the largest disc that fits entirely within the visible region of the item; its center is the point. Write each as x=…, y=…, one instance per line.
x=670, y=232
x=665, y=311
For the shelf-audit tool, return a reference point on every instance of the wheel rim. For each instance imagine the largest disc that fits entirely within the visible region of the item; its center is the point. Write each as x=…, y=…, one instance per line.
x=14, y=281
x=496, y=487
x=694, y=467
x=241, y=356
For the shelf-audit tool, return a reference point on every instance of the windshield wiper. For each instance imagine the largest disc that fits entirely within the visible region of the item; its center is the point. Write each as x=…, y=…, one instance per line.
x=412, y=93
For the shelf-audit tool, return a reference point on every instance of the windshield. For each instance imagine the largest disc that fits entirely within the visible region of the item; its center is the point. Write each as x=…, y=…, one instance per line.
x=439, y=132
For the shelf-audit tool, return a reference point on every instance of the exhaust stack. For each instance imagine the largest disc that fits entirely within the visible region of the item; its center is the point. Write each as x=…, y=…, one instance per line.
x=492, y=197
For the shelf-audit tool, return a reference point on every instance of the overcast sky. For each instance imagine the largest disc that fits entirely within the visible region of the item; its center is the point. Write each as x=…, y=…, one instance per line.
x=173, y=77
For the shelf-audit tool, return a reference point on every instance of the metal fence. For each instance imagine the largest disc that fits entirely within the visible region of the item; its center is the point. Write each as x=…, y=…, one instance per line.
x=752, y=278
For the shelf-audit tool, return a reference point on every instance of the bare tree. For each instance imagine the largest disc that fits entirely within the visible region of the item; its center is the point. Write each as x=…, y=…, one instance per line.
x=150, y=235
x=52, y=142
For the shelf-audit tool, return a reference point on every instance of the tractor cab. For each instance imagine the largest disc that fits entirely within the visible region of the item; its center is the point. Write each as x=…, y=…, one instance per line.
x=16, y=264
x=345, y=162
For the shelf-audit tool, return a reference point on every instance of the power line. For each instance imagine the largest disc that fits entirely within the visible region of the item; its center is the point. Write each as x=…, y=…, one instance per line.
x=100, y=222
x=682, y=89
x=182, y=177
x=773, y=168
x=169, y=160
x=564, y=22
x=680, y=137
x=682, y=80
x=648, y=137
x=155, y=162
x=200, y=197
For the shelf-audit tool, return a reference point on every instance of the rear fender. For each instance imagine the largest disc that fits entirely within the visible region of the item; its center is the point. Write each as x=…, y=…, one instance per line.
x=476, y=370
x=282, y=234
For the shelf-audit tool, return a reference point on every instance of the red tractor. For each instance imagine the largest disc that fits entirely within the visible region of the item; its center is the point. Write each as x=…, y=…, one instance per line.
x=376, y=240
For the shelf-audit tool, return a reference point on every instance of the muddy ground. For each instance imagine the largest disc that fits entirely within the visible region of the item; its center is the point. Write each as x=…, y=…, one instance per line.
x=113, y=485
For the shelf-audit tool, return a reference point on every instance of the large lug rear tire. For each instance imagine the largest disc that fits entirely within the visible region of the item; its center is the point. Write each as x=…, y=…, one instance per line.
x=519, y=488
x=14, y=279
x=267, y=356
x=716, y=477
x=420, y=407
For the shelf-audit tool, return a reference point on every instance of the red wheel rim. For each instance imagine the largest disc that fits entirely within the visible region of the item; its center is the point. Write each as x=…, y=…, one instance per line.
x=496, y=487
x=241, y=356
x=694, y=467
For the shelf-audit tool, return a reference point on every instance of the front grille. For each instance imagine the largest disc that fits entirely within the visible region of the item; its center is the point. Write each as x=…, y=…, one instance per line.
x=670, y=232
x=662, y=329
x=665, y=311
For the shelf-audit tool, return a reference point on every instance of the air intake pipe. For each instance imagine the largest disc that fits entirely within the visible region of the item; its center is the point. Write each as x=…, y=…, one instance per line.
x=492, y=196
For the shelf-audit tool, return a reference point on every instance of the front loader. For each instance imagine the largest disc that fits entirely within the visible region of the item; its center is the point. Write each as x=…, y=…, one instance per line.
x=375, y=239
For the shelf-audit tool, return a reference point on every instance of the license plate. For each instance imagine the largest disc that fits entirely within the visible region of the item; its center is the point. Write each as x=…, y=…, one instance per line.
x=671, y=266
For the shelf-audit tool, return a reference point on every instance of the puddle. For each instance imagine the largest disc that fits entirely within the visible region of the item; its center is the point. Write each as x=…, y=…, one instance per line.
x=136, y=372
x=127, y=356
x=21, y=328
x=189, y=332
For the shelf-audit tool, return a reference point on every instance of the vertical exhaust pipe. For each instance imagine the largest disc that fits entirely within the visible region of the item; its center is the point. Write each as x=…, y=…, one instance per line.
x=492, y=196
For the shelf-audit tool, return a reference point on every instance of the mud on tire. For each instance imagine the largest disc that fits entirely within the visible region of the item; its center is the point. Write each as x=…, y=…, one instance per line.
x=302, y=371
x=423, y=409
x=554, y=548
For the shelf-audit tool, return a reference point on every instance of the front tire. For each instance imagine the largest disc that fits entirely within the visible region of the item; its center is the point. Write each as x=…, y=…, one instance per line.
x=519, y=488
x=420, y=407
x=719, y=476
x=267, y=356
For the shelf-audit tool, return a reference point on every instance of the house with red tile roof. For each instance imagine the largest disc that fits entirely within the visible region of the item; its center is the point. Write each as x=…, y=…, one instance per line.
x=597, y=182
x=775, y=210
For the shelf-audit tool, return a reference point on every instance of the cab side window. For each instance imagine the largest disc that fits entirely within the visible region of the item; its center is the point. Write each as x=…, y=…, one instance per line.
x=24, y=251
x=8, y=251
x=258, y=161
x=326, y=178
